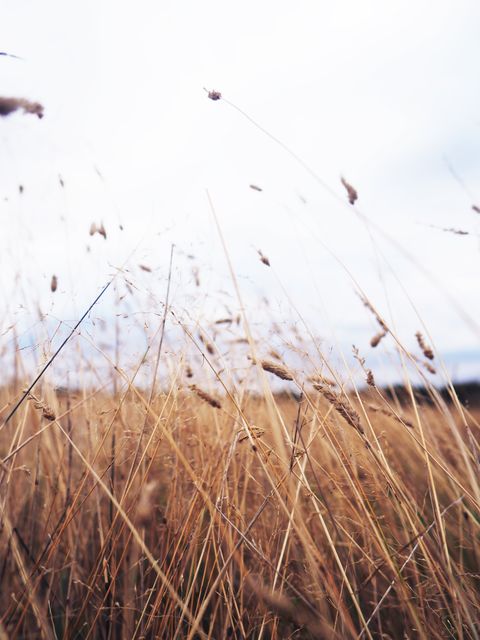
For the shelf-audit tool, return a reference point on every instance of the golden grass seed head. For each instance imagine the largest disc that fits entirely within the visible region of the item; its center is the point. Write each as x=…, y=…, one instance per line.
x=278, y=370
x=206, y=397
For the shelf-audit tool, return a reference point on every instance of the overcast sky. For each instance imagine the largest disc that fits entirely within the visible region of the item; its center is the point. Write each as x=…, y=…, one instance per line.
x=385, y=93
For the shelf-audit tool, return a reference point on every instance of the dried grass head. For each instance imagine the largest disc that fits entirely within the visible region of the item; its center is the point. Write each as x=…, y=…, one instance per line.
x=377, y=338
x=342, y=407
x=94, y=228
x=426, y=350
x=351, y=191
x=263, y=258
x=214, y=95
x=10, y=105
x=278, y=370
x=206, y=397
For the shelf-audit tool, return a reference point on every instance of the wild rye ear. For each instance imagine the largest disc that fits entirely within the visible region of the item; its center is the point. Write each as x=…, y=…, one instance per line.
x=278, y=370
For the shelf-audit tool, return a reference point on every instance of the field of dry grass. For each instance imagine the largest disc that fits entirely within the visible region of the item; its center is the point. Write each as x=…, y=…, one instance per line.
x=286, y=502
x=199, y=513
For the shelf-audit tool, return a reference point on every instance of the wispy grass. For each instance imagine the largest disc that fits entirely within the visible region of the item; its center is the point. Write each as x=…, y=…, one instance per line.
x=235, y=493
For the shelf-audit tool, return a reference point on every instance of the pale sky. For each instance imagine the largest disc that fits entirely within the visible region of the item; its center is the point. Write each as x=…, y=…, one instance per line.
x=385, y=93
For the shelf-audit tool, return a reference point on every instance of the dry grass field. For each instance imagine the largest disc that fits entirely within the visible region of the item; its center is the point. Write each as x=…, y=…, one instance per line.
x=201, y=511
x=216, y=500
